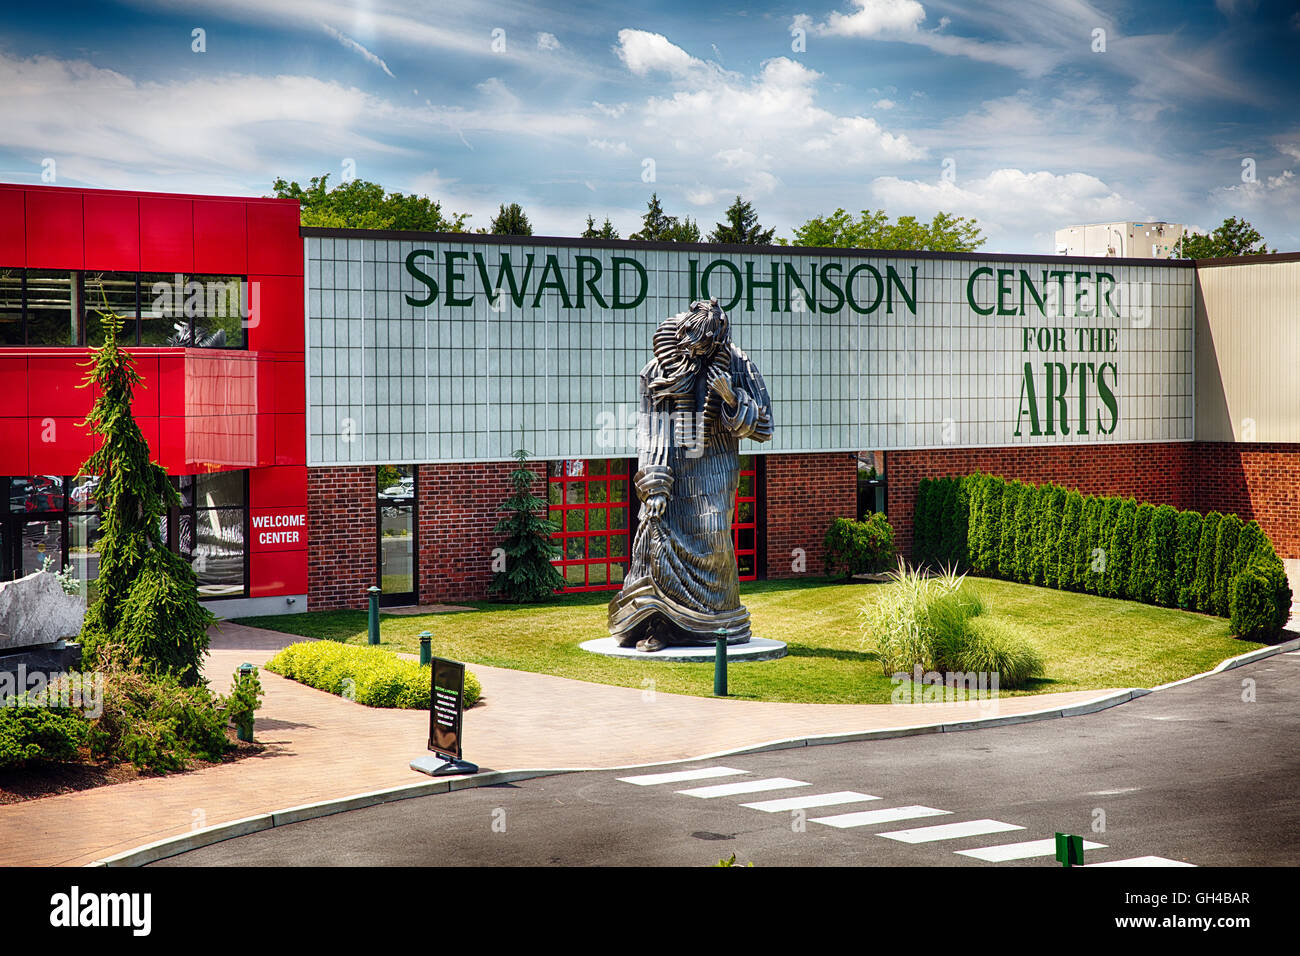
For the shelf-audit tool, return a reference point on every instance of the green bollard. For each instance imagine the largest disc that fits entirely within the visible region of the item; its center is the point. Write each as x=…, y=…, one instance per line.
x=244, y=729
x=426, y=653
x=374, y=613
x=1069, y=849
x=720, y=665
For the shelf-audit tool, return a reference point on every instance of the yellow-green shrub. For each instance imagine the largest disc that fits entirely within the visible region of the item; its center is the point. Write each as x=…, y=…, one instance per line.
x=367, y=675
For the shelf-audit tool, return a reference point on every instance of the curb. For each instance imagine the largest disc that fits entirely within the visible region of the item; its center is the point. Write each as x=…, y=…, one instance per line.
x=197, y=839
x=174, y=846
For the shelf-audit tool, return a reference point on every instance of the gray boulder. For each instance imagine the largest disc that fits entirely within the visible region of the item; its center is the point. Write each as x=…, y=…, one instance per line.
x=35, y=611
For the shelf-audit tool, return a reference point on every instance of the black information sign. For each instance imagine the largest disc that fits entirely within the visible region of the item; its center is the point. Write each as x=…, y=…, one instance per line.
x=446, y=706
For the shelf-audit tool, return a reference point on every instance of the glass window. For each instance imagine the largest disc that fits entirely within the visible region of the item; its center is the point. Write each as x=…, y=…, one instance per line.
x=36, y=493
x=113, y=292
x=216, y=306
x=162, y=309
x=84, y=532
x=53, y=307
x=11, y=307
x=83, y=493
x=589, y=500
x=211, y=531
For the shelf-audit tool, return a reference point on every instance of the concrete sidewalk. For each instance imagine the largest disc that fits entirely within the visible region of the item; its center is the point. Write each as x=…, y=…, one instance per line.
x=321, y=747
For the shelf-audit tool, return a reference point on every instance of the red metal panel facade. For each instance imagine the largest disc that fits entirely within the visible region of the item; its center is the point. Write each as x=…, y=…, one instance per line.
x=201, y=410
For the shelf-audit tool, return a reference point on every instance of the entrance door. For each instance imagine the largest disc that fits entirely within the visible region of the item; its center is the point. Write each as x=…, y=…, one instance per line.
x=396, y=522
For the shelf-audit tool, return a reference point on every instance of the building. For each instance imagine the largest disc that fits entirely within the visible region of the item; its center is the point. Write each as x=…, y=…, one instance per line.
x=1134, y=240
x=355, y=427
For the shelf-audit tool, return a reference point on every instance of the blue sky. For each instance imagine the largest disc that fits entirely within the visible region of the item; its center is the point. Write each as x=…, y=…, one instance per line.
x=1027, y=116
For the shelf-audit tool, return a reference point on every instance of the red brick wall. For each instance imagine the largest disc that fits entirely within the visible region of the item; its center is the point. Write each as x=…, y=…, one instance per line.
x=341, y=536
x=458, y=510
x=803, y=493
x=1254, y=480
x=1160, y=473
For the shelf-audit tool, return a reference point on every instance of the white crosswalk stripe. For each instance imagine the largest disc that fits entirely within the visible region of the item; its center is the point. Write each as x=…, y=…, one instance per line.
x=949, y=831
x=681, y=776
x=1020, y=851
x=1143, y=861
x=866, y=818
x=745, y=786
x=810, y=801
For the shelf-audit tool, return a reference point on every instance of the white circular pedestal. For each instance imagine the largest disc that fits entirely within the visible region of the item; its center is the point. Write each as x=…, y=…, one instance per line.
x=755, y=649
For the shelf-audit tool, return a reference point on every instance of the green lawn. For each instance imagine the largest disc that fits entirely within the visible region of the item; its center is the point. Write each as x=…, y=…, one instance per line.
x=1087, y=641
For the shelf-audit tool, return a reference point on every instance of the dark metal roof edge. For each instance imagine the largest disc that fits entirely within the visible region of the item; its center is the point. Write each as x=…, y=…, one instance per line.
x=1242, y=260
x=631, y=244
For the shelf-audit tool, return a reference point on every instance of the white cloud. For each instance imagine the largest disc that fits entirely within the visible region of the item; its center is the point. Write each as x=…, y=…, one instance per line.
x=547, y=41
x=221, y=132
x=883, y=105
x=644, y=53
x=1009, y=202
x=350, y=44
x=873, y=17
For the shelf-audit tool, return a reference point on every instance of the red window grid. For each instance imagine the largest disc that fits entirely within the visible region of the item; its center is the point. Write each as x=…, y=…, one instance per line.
x=590, y=502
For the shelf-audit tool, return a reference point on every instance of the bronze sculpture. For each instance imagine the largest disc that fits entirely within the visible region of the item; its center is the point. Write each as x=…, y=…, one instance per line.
x=699, y=396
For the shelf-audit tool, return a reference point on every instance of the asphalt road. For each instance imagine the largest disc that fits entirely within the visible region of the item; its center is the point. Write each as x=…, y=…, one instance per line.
x=1193, y=774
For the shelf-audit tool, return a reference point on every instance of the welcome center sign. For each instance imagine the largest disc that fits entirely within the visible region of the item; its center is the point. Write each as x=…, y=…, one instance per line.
x=430, y=350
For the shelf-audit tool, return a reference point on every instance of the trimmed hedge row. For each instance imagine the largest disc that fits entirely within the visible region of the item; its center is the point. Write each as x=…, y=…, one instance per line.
x=1113, y=547
x=368, y=675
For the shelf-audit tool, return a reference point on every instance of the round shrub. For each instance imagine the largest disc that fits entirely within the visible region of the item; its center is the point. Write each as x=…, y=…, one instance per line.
x=1261, y=599
x=857, y=547
x=39, y=734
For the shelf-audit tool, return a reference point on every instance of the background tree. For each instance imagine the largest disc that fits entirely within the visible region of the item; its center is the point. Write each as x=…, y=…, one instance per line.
x=148, y=596
x=658, y=226
x=606, y=230
x=359, y=204
x=741, y=226
x=1234, y=237
x=510, y=221
x=529, y=575
x=873, y=230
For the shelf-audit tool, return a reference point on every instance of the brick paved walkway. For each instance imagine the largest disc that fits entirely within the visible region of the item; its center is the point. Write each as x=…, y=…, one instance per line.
x=319, y=747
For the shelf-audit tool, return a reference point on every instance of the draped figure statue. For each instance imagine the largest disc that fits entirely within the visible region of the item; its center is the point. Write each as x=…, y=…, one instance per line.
x=699, y=396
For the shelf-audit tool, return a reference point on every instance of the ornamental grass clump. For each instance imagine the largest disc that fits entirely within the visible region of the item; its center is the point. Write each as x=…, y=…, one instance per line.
x=939, y=623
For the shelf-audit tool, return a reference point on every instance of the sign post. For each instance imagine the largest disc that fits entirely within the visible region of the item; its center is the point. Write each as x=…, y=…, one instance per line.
x=446, y=711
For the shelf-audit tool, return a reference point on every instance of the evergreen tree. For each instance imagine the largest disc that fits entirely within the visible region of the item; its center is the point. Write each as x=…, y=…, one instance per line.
x=1050, y=535
x=1187, y=546
x=1084, y=577
x=1135, y=588
x=1011, y=492
x=606, y=230
x=1115, y=580
x=658, y=226
x=1024, y=556
x=1203, y=583
x=510, y=221
x=991, y=537
x=1225, y=554
x=1071, y=518
x=1163, y=548
x=741, y=226
x=148, y=596
x=529, y=575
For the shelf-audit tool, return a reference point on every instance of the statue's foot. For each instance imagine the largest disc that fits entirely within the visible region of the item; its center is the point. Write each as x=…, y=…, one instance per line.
x=650, y=644
x=627, y=640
